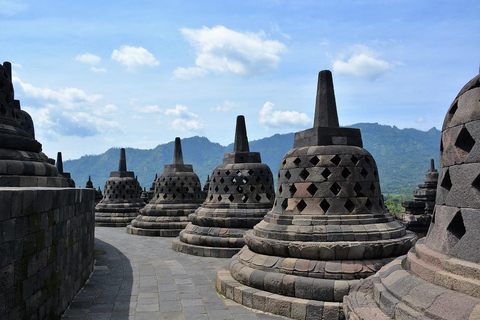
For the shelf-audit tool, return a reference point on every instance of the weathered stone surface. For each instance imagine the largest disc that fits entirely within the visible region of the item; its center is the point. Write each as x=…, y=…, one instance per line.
x=439, y=277
x=328, y=225
x=240, y=193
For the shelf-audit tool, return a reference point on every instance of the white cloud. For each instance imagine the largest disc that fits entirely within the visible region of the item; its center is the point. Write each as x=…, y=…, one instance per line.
x=270, y=118
x=227, y=106
x=420, y=120
x=363, y=63
x=222, y=50
x=88, y=58
x=10, y=8
x=98, y=70
x=189, y=73
x=148, y=109
x=68, y=111
x=184, y=120
x=134, y=57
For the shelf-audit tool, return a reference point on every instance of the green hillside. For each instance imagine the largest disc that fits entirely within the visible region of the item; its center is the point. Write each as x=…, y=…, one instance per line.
x=402, y=157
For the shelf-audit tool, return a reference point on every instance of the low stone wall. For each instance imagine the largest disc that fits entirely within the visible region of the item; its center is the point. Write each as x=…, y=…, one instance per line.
x=46, y=249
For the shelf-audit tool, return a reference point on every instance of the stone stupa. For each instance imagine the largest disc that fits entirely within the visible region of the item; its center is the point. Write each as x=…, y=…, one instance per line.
x=22, y=162
x=327, y=229
x=65, y=175
x=177, y=194
x=418, y=213
x=121, y=202
x=440, y=277
x=239, y=195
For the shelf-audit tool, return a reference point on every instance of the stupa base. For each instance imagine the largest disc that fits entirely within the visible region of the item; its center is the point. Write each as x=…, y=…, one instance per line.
x=291, y=307
x=153, y=232
x=204, y=251
x=102, y=220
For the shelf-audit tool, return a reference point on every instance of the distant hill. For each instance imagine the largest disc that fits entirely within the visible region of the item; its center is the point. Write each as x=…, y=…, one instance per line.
x=402, y=156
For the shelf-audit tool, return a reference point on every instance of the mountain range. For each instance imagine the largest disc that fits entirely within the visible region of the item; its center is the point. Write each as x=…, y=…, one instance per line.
x=402, y=156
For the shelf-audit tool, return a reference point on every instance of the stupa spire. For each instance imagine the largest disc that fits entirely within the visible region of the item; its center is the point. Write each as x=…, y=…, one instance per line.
x=241, y=139
x=177, y=153
x=325, y=105
x=122, y=164
x=59, y=163
x=432, y=165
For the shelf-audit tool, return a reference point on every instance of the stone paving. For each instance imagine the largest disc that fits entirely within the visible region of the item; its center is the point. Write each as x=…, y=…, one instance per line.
x=143, y=278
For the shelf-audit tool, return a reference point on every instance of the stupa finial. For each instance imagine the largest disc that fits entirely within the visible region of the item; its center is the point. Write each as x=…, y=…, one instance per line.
x=241, y=139
x=325, y=105
x=432, y=165
x=59, y=163
x=177, y=153
x=122, y=164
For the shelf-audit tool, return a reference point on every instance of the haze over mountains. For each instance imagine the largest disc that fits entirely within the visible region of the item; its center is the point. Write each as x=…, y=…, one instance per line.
x=402, y=156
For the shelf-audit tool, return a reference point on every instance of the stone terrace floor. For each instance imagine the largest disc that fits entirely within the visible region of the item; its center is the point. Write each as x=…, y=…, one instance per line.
x=138, y=277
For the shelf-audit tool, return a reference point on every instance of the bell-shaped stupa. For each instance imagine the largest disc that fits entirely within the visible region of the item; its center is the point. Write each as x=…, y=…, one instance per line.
x=239, y=195
x=440, y=277
x=177, y=194
x=327, y=229
x=121, y=201
x=418, y=213
x=22, y=162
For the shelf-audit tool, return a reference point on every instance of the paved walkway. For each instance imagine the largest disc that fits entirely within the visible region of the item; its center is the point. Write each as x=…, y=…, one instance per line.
x=138, y=277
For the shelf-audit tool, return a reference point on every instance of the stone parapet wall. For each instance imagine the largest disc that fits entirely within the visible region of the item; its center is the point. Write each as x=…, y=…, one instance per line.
x=46, y=249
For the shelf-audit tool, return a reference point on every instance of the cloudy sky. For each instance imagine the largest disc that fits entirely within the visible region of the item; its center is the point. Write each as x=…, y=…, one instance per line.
x=101, y=74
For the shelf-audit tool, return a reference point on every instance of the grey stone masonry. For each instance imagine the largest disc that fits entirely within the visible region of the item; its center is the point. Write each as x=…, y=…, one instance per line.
x=440, y=277
x=178, y=193
x=240, y=192
x=22, y=162
x=46, y=249
x=121, y=201
x=327, y=229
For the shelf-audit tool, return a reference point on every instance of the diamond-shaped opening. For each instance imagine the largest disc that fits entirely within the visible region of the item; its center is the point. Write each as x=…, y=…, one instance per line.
x=446, y=182
x=364, y=173
x=336, y=160
x=214, y=180
x=335, y=188
x=349, y=205
x=304, y=174
x=358, y=189
x=245, y=180
x=262, y=187
x=312, y=189
x=258, y=198
x=227, y=172
x=239, y=189
x=314, y=161
x=355, y=159
x=164, y=196
x=456, y=226
x=301, y=205
x=292, y=190
x=297, y=161
x=287, y=174
x=284, y=162
x=441, y=145
x=372, y=187
x=346, y=173
x=245, y=198
x=239, y=173
x=280, y=189
x=464, y=140
x=216, y=188
x=326, y=173
x=231, y=198
x=452, y=110
x=219, y=198
x=369, y=205
x=174, y=196
x=218, y=173
x=226, y=189
x=284, y=204
x=257, y=179
x=252, y=188
x=433, y=215
x=211, y=197
x=222, y=180
x=250, y=172
x=268, y=195
x=324, y=205
x=234, y=180
x=476, y=183
x=182, y=183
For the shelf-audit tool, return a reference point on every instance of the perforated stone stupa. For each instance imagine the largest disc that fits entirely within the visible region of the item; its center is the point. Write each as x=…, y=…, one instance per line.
x=22, y=162
x=439, y=278
x=121, y=202
x=418, y=213
x=239, y=195
x=327, y=229
x=178, y=192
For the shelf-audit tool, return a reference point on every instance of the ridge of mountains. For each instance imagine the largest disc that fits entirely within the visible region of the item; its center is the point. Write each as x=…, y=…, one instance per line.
x=402, y=156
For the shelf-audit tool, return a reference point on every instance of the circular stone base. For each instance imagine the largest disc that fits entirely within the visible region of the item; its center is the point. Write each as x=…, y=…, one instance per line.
x=217, y=252
x=112, y=224
x=153, y=232
x=274, y=303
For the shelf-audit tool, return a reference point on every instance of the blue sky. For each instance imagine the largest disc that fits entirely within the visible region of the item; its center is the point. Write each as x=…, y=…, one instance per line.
x=101, y=74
